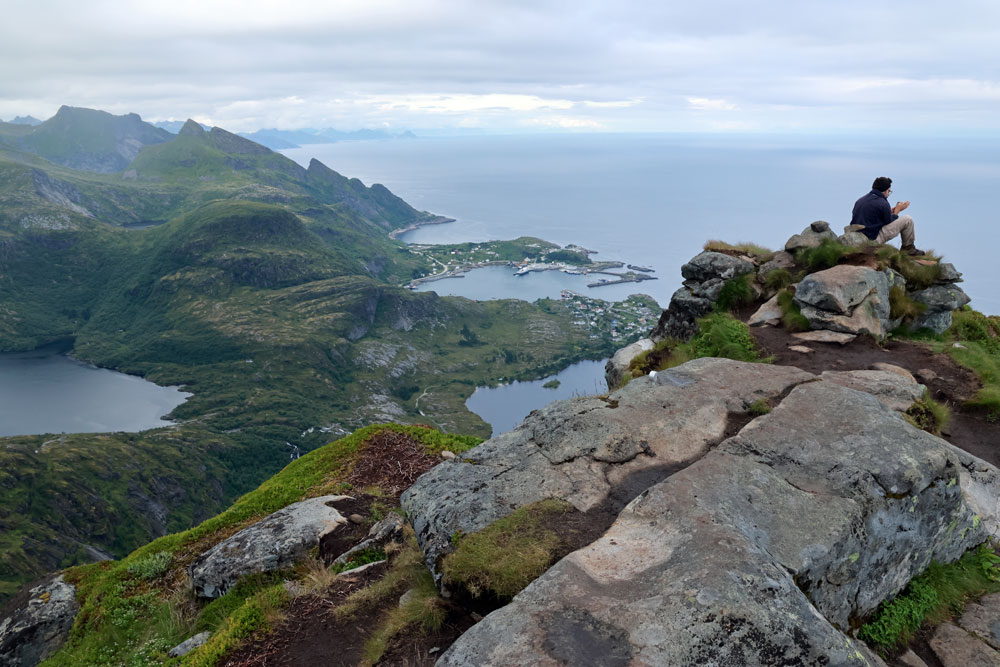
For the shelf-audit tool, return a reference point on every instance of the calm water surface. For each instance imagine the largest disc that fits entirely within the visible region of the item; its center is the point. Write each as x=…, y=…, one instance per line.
x=506, y=406
x=655, y=199
x=45, y=391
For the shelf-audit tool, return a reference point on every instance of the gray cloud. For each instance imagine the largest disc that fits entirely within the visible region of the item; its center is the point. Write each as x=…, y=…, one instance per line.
x=627, y=65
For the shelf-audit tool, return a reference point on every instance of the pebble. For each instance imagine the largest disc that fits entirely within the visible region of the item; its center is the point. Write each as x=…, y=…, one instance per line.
x=448, y=455
x=802, y=349
x=926, y=375
x=356, y=518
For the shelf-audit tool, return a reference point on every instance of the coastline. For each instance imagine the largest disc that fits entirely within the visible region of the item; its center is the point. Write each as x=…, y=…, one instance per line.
x=436, y=220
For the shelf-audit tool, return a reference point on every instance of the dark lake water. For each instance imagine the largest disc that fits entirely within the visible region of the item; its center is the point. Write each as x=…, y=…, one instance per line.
x=45, y=391
x=506, y=406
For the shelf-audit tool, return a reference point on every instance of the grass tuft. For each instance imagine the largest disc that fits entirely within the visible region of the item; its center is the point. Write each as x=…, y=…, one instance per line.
x=759, y=252
x=931, y=598
x=791, y=316
x=918, y=276
x=507, y=555
x=929, y=415
x=777, y=279
x=736, y=292
x=827, y=254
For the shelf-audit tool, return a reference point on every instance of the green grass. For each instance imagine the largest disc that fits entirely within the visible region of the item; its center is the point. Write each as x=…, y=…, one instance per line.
x=736, y=292
x=507, y=555
x=902, y=306
x=931, y=598
x=125, y=605
x=918, y=276
x=778, y=279
x=791, y=316
x=824, y=256
x=929, y=415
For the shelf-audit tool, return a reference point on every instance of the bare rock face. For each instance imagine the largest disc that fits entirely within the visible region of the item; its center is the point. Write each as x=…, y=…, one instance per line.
x=592, y=452
x=769, y=313
x=895, y=391
x=617, y=366
x=710, y=265
x=274, y=543
x=761, y=552
x=955, y=647
x=37, y=623
x=849, y=299
x=940, y=301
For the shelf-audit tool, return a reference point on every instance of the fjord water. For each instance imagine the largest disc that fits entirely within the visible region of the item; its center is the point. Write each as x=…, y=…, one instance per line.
x=654, y=200
x=45, y=391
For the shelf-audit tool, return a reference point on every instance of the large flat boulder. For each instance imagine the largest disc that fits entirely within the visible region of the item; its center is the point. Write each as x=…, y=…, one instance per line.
x=894, y=390
x=274, y=543
x=710, y=265
x=592, y=452
x=760, y=553
x=841, y=288
x=36, y=623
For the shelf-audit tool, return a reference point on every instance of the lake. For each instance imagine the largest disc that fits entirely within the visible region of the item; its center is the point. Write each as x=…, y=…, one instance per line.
x=506, y=406
x=45, y=391
x=654, y=200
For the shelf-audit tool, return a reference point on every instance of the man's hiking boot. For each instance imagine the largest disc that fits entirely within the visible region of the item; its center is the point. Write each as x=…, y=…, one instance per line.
x=913, y=251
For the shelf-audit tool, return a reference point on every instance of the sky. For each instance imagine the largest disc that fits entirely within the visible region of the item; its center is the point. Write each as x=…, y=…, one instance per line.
x=512, y=66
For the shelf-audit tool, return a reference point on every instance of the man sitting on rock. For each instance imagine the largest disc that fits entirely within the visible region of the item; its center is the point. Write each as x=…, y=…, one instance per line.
x=881, y=223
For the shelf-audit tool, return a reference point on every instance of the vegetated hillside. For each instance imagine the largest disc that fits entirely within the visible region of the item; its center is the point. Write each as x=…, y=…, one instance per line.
x=269, y=293
x=86, y=139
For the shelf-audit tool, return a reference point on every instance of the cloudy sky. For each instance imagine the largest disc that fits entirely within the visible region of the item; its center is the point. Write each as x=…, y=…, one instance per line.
x=515, y=65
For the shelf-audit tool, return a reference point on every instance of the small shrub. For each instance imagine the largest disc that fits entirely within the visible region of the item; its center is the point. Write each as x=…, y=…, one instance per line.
x=152, y=566
x=722, y=335
x=929, y=415
x=918, y=276
x=735, y=292
x=777, y=279
x=758, y=408
x=791, y=317
x=507, y=555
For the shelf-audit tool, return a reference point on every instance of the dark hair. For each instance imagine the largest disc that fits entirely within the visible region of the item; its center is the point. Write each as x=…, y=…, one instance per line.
x=882, y=183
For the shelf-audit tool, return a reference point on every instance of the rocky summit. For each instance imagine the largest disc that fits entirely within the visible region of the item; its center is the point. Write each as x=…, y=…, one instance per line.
x=761, y=549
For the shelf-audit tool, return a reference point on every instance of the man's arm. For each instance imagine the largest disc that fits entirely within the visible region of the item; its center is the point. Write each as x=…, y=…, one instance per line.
x=900, y=207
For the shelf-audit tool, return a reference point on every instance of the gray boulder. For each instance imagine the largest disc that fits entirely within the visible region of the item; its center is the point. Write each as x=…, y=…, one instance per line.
x=840, y=288
x=382, y=533
x=983, y=619
x=592, y=452
x=769, y=313
x=760, y=553
x=710, y=289
x=37, y=623
x=189, y=644
x=617, y=366
x=780, y=260
x=679, y=320
x=274, y=543
x=895, y=391
x=940, y=301
x=849, y=299
x=955, y=647
x=949, y=274
x=811, y=236
x=710, y=264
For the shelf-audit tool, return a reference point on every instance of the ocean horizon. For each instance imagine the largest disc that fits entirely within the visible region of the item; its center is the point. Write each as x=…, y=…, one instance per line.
x=655, y=199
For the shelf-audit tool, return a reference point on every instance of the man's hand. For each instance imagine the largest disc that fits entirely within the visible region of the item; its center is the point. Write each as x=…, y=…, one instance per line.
x=900, y=207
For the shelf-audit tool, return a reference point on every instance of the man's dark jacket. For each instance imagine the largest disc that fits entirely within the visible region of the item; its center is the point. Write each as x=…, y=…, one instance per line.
x=873, y=212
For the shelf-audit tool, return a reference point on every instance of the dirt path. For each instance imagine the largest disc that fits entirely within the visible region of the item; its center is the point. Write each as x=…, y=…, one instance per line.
x=953, y=384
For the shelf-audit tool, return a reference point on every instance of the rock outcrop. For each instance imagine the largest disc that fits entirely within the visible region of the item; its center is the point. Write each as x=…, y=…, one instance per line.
x=37, y=623
x=811, y=237
x=617, y=367
x=273, y=543
x=760, y=552
x=849, y=299
x=704, y=276
x=595, y=453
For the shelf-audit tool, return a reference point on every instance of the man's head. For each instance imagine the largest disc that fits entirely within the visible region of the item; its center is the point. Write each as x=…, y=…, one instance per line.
x=882, y=184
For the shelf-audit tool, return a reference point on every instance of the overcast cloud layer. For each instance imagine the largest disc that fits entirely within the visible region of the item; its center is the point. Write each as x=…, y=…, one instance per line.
x=517, y=65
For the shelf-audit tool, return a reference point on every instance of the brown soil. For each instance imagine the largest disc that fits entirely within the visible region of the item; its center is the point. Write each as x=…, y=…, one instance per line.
x=391, y=461
x=311, y=635
x=969, y=429
x=424, y=650
x=333, y=544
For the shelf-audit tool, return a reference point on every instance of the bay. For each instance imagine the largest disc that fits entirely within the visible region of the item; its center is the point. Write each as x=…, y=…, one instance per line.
x=45, y=391
x=654, y=200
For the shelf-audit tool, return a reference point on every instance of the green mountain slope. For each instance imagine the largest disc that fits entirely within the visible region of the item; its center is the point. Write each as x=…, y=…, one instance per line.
x=269, y=292
x=86, y=139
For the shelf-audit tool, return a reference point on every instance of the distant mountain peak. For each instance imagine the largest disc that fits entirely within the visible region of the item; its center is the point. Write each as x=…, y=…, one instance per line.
x=191, y=129
x=25, y=120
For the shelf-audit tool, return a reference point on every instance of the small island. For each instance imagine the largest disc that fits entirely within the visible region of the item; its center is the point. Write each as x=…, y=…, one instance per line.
x=552, y=384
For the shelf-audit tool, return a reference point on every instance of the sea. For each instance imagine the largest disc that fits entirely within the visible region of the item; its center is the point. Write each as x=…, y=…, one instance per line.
x=654, y=200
